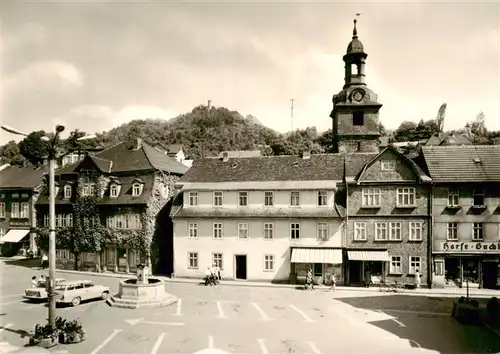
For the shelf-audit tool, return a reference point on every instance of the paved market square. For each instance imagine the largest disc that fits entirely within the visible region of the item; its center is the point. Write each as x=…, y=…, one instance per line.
x=240, y=319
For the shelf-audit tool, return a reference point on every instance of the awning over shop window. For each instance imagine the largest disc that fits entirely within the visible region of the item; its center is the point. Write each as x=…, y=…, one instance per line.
x=381, y=256
x=316, y=255
x=14, y=236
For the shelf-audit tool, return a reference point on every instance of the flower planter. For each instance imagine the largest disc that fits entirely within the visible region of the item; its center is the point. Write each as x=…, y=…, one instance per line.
x=43, y=342
x=466, y=313
x=70, y=338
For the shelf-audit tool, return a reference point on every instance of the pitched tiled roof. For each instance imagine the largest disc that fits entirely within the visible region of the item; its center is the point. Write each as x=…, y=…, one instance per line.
x=267, y=168
x=472, y=163
x=121, y=158
x=241, y=153
x=14, y=177
x=250, y=212
x=354, y=163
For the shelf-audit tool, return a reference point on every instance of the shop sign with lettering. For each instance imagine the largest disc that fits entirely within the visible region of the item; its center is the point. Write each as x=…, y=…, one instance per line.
x=469, y=247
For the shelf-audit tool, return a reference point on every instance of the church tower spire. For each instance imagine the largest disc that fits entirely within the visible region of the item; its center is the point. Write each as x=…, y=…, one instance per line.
x=356, y=107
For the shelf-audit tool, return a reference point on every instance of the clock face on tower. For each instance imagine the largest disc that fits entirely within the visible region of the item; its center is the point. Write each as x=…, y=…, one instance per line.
x=357, y=95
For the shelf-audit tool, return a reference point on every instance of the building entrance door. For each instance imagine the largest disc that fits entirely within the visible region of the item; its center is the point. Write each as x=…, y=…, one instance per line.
x=355, y=270
x=490, y=270
x=241, y=266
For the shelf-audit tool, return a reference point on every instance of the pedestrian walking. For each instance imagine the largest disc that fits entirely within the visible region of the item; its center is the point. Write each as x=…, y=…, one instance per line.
x=34, y=282
x=418, y=280
x=368, y=279
x=334, y=281
x=309, y=279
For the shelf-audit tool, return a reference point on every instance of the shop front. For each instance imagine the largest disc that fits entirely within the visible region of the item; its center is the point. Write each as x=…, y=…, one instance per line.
x=322, y=261
x=366, y=265
x=455, y=263
x=15, y=241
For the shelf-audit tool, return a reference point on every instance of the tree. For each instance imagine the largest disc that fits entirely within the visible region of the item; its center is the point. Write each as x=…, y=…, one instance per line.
x=9, y=153
x=476, y=130
x=33, y=148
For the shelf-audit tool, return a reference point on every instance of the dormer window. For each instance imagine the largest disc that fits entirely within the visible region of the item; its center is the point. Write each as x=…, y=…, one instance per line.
x=67, y=191
x=88, y=189
x=136, y=189
x=114, y=190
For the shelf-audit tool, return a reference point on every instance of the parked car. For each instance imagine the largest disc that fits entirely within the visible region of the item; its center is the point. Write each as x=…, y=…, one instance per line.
x=40, y=292
x=74, y=292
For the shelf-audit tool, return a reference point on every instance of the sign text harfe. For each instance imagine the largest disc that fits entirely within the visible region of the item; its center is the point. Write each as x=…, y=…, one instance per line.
x=490, y=247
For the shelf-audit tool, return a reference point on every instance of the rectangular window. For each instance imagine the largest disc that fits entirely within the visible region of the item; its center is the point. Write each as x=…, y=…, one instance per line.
x=136, y=189
x=360, y=231
x=406, y=196
x=46, y=220
x=453, y=197
x=217, y=198
x=15, y=195
x=217, y=260
x=396, y=265
x=452, y=231
x=14, y=213
x=85, y=189
x=414, y=265
x=24, y=211
x=67, y=192
x=193, y=230
x=388, y=165
x=477, y=231
x=64, y=220
x=478, y=197
x=193, y=198
x=92, y=189
x=322, y=198
x=124, y=221
x=2, y=210
x=371, y=197
x=193, y=260
x=268, y=263
x=395, y=231
x=416, y=231
x=358, y=118
x=380, y=231
x=217, y=231
x=243, y=199
x=322, y=231
x=439, y=268
x=295, y=198
x=294, y=231
x=268, y=198
x=113, y=191
x=243, y=230
x=268, y=231
x=25, y=195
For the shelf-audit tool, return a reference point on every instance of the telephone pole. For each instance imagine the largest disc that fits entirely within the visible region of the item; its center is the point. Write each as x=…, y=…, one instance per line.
x=291, y=111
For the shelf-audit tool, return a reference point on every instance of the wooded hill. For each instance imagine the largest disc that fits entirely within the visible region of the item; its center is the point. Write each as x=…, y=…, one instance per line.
x=207, y=131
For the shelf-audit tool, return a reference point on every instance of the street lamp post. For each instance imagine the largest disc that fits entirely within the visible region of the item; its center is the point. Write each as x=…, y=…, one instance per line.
x=52, y=212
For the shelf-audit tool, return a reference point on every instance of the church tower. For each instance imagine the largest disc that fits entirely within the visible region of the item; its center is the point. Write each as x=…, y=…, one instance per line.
x=355, y=108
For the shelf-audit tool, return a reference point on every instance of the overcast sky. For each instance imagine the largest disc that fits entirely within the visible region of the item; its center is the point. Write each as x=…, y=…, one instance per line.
x=93, y=65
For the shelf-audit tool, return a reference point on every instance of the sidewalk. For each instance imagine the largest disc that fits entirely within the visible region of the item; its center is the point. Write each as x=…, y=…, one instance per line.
x=374, y=289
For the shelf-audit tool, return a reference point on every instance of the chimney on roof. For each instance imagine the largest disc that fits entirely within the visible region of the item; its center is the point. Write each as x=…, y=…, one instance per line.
x=306, y=155
x=225, y=156
x=137, y=143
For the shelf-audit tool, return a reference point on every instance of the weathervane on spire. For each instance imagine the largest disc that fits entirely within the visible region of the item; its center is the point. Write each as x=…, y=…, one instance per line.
x=355, y=31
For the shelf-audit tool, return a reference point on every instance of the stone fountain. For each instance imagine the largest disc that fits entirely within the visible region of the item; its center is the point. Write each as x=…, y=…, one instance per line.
x=143, y=292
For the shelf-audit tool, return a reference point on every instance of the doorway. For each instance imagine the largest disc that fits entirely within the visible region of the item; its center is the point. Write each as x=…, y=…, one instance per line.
x=355, y=270
x=241, y=266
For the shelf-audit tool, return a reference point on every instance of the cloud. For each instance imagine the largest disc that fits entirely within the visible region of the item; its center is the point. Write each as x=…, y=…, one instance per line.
x=29, y=34
x=98, y=118
x=52, y=75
